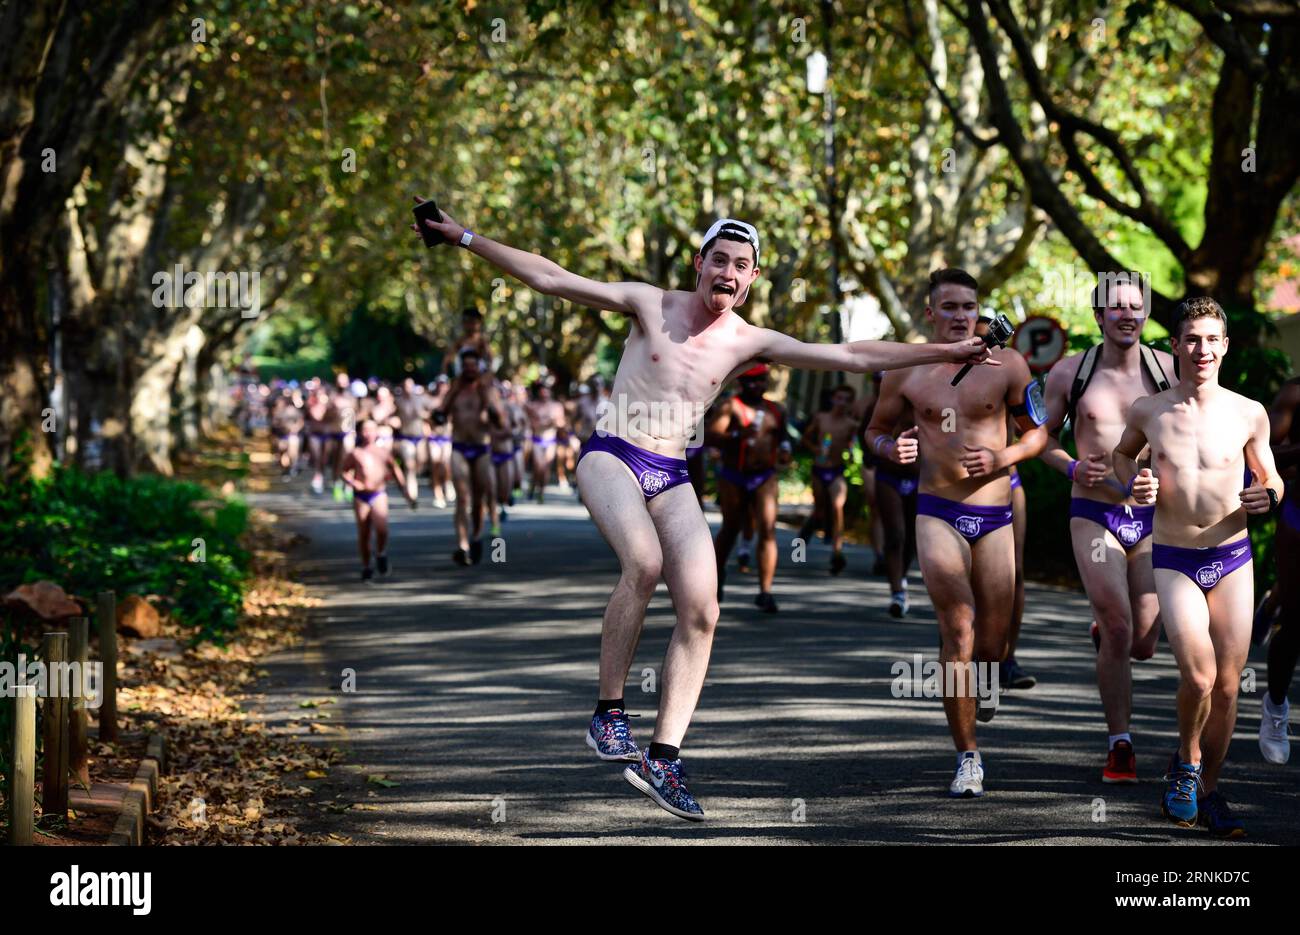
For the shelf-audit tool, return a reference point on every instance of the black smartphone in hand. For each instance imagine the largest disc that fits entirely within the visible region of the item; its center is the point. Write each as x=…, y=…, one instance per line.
x=428, y=210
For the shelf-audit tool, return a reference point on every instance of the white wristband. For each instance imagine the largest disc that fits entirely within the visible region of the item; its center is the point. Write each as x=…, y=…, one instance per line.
x=466, y=238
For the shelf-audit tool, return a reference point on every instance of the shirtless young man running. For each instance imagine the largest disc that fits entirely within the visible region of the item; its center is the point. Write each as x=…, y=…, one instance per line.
x=682, y=349
x=1202, y=438
x=1111, y=534
x=750, y=431
x=475, y=409
x=963, y=524
x=412, y=409
x=545, y=419
x=366, y=469
x=829, y=436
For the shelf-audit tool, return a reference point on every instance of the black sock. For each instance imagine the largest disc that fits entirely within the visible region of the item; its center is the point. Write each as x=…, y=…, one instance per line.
x=661, y=751
x=604, y=706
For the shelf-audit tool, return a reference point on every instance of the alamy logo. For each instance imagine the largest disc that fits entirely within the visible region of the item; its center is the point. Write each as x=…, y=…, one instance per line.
x=969, y=526
x=103, y=889
x=653, y=482
x=1207, y=576
x=1129, y=533
x=176, y=288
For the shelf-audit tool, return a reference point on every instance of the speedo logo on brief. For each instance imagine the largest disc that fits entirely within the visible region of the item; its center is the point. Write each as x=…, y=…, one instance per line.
x=652, y=482
x=1237, y=553
x=969, y=526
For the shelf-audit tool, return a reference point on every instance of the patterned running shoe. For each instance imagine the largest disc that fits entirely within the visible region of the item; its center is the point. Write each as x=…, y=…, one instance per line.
x=1179, y=803
x=611, y=737
x=1213, y=812
x=665, y=783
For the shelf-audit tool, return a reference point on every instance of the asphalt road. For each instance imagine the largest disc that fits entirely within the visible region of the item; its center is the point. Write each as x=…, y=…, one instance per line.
x=474, y=687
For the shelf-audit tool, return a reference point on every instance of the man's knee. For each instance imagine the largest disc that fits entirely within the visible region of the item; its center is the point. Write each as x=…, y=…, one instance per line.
x=700, y=614
x=1200, y=682
x=1115, y=627
x=643, y=576
x=1227, y=686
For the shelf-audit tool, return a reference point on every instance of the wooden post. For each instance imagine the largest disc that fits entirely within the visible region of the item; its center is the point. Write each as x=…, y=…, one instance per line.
x=22, y=785
x=77, y=752
x=106, y=609
x=54, y=783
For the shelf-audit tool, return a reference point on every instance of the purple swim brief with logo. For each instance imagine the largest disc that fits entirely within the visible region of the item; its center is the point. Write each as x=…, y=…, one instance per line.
x=655, y=473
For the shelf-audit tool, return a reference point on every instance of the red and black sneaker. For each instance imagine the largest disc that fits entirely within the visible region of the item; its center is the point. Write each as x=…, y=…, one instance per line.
x=1121, y=764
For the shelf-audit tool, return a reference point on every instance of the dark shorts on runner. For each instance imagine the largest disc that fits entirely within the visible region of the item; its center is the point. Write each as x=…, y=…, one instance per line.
x=828, y=474
x=470, y=453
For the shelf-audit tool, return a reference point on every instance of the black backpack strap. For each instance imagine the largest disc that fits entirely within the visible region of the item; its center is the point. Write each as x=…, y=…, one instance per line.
x=1153, y=367
x=1082, y=377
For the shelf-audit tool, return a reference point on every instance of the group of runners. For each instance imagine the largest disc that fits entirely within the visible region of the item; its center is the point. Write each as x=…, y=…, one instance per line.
x=1168, y=465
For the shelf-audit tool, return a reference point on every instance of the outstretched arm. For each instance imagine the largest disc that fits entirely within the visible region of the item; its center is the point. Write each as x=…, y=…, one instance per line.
x=544, y=276
x=863, y=356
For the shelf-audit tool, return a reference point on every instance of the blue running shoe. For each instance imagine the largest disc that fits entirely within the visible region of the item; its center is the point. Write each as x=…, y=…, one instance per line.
x=1213, y=812
x=1179, y=804
x=665, y=782
x=611, y=737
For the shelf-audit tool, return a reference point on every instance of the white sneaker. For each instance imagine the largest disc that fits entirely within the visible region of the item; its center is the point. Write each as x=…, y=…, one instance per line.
x=969, y=781
x=1273, y=740
x=898, y=604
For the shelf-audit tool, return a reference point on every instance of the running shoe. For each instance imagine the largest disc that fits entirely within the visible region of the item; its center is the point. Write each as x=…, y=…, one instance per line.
x=367, y=574
x=460, y=557
x=317, y=486
x=502, y=516
x=1212, y=811
x=439, y=503
x=1274, y=741
x=765, y=602
x=611, y=737
x=476, y=551
x=495, y=529
x=1121, y=764
x=838, y=563
x=742, y=560
x=1261, y=629
x=381, y=561
x=1179, y=802
x=338, y=491
x=969, y=781
x=898, y=604
x=664, y=781
x=1011, y=675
